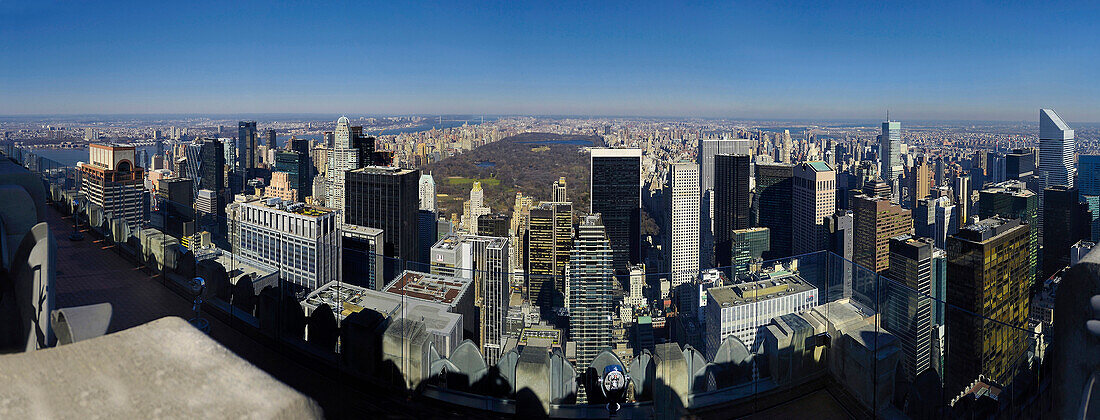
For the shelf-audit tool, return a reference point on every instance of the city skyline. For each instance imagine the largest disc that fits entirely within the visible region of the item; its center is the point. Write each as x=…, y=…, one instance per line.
x=737, y=61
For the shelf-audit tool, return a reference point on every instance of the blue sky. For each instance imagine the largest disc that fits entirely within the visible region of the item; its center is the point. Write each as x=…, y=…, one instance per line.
x=780, y=59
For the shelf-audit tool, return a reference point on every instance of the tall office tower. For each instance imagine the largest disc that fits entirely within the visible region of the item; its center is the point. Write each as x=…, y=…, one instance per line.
x=110, y=180
x=788, y=147
x=246, y=150
x=749, y=246
x=840, y=227
x=914, y=301
x=876, y=220
x=947, y=222
x=1019, y=164
x=988, y=302
x=1012, y=200
x=940, y=173
x=212, y=155
x=270, y=141
x=493, y=224
x=484, y=259
x=920, y=183
x=731, y=203
x=365, y=146
x=978, y=165
x=683, y=220
x=962, y=199
x=1066, y=221
x=1088, y=169
x=305, y=166
x=342, y=158
x=281, y=187
x=427, y=192
x=549, y=241
x=742, y=309
x=359, y=256
x=427, y=233
x=995, y=168
x=813, y=198
x=1056, y=147
x=559, y=193
x=329, y=139
x=636, y=293
x=296, y=240
x=194, y=169
x=474, y=208
x=291, y=163
x=890, y=151
x=774, y=190
x=709, y=148
x=877, y=188
x=206, y=209
x=387, y=199
x=175, y=210
x=616, y=194
x=342, y=136
x=591, y=285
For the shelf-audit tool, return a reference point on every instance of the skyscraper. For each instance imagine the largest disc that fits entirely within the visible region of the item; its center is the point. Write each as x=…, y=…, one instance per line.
x=709, y=148
x=111, y=180
x=1066, y=220
x=920, y=183
x=731, y=203
x=914, y=301
x=246, y=150
x=876, y=220
x=617, y=196
x=298, y=241
x=291, y=163
x=1056, y=146
x=427, y=192
x=813, y=198
x=748, y=247
x=342, y=158
x=890, y=150
x=963, y=200
x=1012, y=200
x=360, y=256
x=305, y=167
x=484, y=259
x=987, y=302
x=550, y=239
x=559, y=192
x=1089, y=179
x=774, y=190
x=387, y=199
x=683, y=220
x=269, y=136
x=591, y=283
x=1020, y=164
x=176, y=211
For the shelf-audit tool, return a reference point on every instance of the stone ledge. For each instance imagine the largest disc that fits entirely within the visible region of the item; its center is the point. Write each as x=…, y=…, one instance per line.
x=162, y=369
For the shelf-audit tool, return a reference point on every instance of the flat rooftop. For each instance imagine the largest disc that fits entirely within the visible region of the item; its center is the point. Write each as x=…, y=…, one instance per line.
x=288, y=207
x=453, y=240
x=345, y=299
x=1011, y=187
x=430, y=287
x=780, y=283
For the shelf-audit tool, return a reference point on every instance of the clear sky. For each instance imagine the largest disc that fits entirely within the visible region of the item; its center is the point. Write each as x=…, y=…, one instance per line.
x=776, y=59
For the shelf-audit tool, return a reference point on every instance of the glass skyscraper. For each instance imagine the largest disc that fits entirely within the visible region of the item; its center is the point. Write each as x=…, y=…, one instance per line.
x=617, y=196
